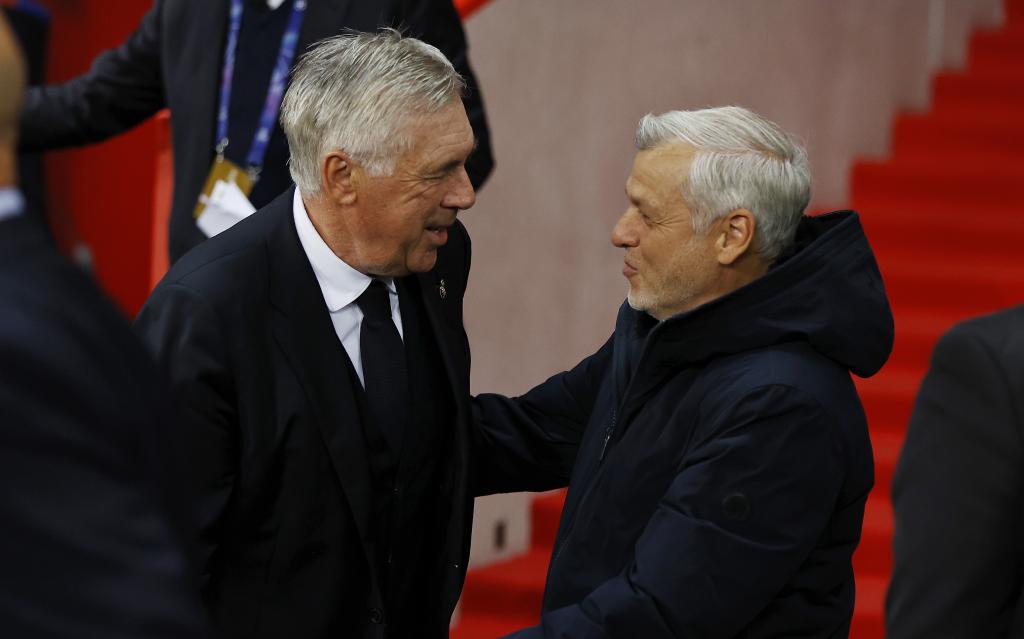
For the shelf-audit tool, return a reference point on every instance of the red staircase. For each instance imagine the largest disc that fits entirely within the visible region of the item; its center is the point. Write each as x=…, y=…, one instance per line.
x=946, y=219
x=945, y=215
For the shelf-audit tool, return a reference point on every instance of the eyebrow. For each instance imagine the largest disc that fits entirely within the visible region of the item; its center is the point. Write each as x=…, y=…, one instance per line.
x=636, y=199
x=453, y=164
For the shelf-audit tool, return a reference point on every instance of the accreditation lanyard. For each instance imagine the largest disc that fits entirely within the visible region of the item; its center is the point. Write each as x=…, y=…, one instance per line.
x=275, y=92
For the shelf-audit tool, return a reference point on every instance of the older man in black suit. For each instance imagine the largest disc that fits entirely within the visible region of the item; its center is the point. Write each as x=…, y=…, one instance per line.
x=91, y=527
x=318, y=354
x=213, y=64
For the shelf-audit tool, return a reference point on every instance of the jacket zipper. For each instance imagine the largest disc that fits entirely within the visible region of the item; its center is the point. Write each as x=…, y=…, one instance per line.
x=608, y=432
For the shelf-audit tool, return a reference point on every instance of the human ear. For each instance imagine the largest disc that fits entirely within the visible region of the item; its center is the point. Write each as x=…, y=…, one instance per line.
x=735, y=236
x=337, y=177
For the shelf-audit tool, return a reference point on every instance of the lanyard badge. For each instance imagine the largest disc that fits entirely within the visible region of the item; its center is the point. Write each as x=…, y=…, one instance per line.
x=224, y=172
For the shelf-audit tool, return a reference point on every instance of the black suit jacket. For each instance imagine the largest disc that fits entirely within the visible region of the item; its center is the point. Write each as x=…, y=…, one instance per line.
x=272, y=426
x=174, y=60
x=957, y=493
x=91, y=532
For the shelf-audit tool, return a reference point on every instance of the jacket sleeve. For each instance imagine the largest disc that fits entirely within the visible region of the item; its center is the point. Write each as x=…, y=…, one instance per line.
x=188, y=342
x=745, y=509
x=957, y=499
x=530, y=442
x=437, y=22
x=123, y=87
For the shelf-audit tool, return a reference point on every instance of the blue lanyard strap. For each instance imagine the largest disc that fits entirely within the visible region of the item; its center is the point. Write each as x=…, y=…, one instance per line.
x=278, y=80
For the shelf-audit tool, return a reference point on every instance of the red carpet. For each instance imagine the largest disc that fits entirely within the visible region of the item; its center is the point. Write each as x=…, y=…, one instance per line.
x=946, y=218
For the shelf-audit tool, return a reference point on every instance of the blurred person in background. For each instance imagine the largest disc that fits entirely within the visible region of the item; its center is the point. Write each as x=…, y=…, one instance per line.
x=221, y=66
x=715, y=448
x=958, y=546
x=92, y=528
x=318, y=355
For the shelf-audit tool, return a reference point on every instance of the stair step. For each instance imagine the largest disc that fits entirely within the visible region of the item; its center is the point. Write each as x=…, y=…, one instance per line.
x=965, y=234
x=973, y=185
x=993, y=83
x=1004, y=45
x=975, y=287
x=949, y=132
x=985, y=86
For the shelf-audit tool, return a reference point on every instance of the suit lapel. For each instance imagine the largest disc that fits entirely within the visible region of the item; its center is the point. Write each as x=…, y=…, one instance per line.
x=449, y=343
x=302, y=327
x=445, y=334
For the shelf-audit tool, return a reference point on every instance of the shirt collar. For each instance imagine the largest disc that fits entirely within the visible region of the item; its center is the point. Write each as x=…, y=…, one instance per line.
x=340, y=283
x=11, y=202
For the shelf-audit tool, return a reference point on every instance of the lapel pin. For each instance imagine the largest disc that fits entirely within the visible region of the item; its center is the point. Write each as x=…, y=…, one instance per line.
x=441, y=290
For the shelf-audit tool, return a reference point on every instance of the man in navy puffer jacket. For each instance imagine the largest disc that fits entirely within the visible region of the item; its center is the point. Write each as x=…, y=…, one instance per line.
x=716, y=451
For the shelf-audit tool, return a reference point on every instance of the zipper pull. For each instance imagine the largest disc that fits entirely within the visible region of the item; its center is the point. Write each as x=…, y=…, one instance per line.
x=607, y=437
x=604, y=447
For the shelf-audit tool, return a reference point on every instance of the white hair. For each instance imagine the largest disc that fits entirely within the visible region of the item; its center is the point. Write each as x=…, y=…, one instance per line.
x=742, y=161
x=359, y=92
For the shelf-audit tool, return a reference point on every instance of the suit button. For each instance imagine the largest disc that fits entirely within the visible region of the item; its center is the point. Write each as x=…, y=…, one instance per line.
x=376, y=615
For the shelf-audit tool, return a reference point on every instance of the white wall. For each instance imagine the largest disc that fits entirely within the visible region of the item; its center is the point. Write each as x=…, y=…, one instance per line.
x=565, y=82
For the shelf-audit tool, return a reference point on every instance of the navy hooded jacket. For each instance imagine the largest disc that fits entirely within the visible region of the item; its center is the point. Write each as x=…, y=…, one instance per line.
x=719, y=459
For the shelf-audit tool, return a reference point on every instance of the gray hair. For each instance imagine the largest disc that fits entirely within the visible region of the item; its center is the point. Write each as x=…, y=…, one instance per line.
x=743, y=161
x=359, y=92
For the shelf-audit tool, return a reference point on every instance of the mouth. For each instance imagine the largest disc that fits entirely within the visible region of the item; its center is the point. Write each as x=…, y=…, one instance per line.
x=439, y=233
x=628, y=269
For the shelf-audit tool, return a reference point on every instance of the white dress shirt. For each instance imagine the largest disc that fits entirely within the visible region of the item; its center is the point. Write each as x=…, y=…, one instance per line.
x=11, y=202
x=341, y=286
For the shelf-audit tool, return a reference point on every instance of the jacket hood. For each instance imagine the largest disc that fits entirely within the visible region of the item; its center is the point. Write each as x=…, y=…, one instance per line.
x=827, y=292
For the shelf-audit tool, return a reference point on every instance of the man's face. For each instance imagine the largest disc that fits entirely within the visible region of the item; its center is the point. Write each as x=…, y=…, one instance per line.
x=670, y=268
x=404, y=217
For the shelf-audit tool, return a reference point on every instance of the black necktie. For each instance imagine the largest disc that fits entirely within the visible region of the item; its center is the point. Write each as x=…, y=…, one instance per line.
x=385, y=376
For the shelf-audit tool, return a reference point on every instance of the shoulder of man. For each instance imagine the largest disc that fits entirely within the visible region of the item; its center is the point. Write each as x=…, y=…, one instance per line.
x=1001, y=332
x=235, y=260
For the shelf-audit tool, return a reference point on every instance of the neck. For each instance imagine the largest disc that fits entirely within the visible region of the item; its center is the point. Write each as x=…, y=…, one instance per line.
x=329, y=224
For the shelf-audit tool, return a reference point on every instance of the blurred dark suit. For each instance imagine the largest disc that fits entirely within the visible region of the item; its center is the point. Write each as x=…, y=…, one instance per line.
x=959, y=542
x=90, y=532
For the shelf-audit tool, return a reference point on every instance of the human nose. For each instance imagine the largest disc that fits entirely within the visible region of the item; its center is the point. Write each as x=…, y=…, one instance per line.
x=624, y=232
x=461, y=195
